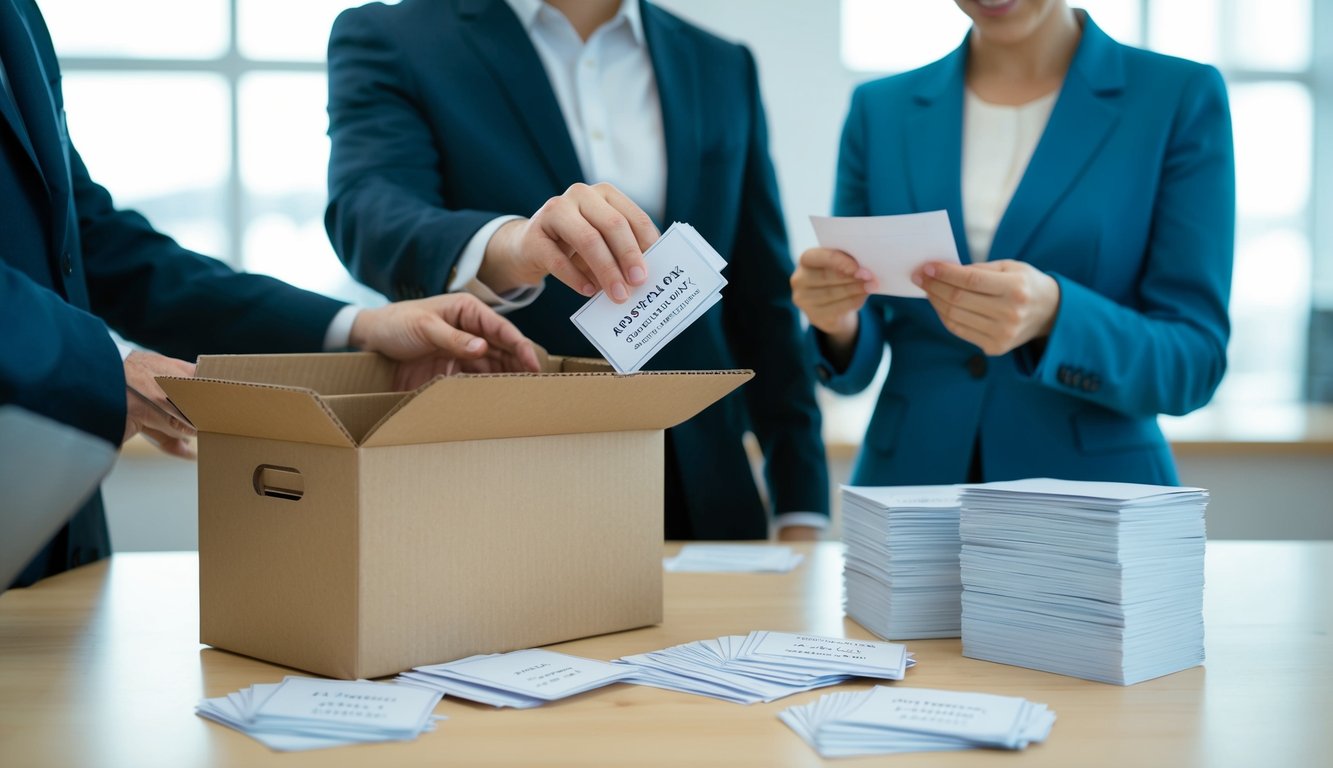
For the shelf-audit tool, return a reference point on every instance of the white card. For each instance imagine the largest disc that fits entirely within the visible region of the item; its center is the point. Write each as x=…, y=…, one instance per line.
x=860, y=657
x=683, y=282
x=891, y=247
x=539, y=673
x=980, y=717
x=352, y=705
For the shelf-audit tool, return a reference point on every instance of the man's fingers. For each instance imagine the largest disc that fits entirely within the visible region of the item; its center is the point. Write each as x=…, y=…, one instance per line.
x=555, y=261
x=451, y=340
x=640, y=223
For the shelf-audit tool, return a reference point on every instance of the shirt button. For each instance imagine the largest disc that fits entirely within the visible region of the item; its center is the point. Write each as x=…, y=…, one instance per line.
x=590, y=63
x=597, y=135
x=823, y=373
x=976, y=365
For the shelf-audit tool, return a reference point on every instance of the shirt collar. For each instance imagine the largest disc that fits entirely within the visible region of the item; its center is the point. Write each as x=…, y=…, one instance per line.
x=527, y=11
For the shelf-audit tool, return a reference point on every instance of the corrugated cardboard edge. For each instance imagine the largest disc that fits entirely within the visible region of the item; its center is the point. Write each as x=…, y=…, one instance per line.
x=253, y=410
x=328, y=373
x=494, y=406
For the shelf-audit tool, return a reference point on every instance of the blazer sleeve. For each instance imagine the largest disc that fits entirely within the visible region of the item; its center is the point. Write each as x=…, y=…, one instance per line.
x=764, y=328
x=181, y=303
x=386, y=217
x=850, y=199
x=57, y=360
x=1168, y=353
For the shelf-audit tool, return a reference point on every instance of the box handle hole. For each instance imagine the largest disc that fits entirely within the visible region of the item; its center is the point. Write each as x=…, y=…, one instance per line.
x=279, y=482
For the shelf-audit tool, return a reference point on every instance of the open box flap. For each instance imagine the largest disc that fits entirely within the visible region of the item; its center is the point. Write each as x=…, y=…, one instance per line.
x=256, y=410
x=479, y=407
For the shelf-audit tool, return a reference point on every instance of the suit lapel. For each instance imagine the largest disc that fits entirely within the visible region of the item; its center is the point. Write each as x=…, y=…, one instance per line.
x=676, y=70
x=20, y=65
x=504, y=46
x=934, y=151
x=1083, y=117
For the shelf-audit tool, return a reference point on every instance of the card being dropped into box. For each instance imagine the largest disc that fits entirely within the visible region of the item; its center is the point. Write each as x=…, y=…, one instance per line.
x=684, y=281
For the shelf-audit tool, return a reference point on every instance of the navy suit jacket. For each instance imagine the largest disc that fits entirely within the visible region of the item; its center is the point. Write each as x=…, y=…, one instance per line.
x=442, y=118
x=72, y=265
x=1128, y=201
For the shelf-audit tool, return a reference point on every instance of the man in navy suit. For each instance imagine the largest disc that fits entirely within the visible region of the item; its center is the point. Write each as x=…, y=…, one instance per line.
x=452, y=120
x=72, y=267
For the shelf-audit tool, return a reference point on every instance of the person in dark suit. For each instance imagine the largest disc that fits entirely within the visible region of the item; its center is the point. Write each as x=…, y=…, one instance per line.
x=1091, y=189
x=451, y=120
x=72, y=267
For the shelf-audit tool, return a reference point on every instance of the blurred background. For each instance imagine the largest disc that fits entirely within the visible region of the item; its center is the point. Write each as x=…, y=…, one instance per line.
x=209, y=117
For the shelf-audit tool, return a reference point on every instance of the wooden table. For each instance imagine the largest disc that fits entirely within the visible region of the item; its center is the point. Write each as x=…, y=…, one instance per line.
x=101, y=667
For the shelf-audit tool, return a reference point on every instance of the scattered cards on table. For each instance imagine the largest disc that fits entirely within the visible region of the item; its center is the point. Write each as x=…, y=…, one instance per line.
x=733, y=558
x=887, y=720
x=684, y=281
x=520, y=679
x=764, y=666
x=303, y=713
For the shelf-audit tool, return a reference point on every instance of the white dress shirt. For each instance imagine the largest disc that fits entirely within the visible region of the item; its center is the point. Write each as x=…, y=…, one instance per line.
x=607, y=93
x=998, y=142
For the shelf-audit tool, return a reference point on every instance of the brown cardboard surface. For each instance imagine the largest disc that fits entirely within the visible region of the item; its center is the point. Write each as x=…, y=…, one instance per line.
x=255, y=410
x=478, y=514
x=494, y=545
x=329, y=373
x=515, y=405
x=278, y=578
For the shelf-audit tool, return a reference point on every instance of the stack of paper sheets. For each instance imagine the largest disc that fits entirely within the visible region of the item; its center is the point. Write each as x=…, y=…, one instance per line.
x=1102, y=581
x=733, y=558
x=520, y=679
x=893, y=720
x=901, y=572
x=764, y=666
x=309, y=713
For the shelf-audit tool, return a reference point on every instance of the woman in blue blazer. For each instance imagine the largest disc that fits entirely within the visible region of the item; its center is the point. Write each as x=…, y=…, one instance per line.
x=1095, y=182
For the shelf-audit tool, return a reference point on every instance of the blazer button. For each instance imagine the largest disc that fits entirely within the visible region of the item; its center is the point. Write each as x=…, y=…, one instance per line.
x=66, y=264
x=823, y=373
x=976, y=365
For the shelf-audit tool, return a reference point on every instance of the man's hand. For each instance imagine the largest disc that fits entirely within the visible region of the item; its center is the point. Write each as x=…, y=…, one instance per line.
x=445, y=334
x=997, y=305
x=148, y=411
x=830, y=287
x=589, y=238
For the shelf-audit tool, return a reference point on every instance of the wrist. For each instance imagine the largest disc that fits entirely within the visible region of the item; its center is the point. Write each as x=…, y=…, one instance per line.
x=499, y=263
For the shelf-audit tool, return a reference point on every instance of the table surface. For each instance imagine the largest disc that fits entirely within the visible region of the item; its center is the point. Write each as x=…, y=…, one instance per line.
x=101, y=666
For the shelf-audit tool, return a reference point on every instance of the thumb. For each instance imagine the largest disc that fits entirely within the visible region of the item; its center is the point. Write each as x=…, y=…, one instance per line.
x=452, y=340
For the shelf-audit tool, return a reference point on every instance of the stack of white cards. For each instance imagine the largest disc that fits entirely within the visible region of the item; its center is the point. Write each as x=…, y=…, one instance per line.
x=1102, y=581
x=684, y=281
x=520, y=679
x=764, y=666
x=901, y=571
x=733, y=558
x=309, y=713
x=885, y=720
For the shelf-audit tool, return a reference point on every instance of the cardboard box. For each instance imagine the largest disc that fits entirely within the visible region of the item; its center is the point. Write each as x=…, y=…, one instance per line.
x=353, y=531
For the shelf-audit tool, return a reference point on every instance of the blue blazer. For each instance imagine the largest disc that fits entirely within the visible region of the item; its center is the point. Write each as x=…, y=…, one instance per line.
x=1128, y=201
x=442, y=118
x=71, y=266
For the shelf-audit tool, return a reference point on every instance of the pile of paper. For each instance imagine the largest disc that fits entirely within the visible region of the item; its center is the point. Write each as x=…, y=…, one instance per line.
x=901, y=571
x=1102, y=581
x=886, y=720
x=309, y=713
x=520, y=679
x=733, y=558
x=764, y=666
x=684, y=282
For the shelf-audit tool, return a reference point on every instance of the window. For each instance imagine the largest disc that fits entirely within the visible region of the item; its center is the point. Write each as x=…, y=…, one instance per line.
x=209, y=118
